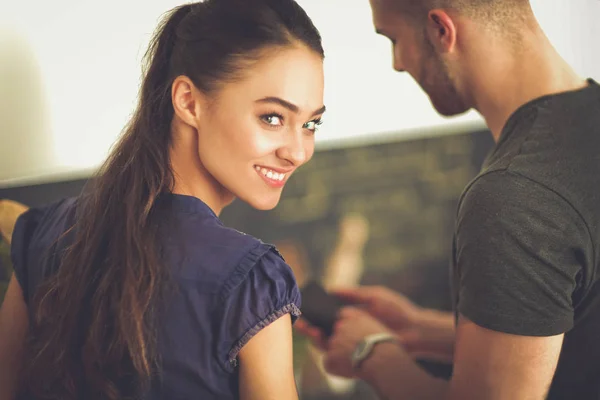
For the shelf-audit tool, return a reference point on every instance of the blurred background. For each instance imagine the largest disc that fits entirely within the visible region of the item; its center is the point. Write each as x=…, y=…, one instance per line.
x=375, y=206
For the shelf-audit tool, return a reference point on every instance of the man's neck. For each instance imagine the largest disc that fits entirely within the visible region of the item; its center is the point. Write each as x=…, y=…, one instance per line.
x=514, y=77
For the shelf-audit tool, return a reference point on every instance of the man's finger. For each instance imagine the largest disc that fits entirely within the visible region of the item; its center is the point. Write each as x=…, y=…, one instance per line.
x=349, y=312
x=301, y=324
x=304, y=328
x=353, y=295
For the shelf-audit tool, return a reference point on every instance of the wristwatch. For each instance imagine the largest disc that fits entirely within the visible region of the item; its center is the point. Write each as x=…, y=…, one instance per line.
x=365, y=347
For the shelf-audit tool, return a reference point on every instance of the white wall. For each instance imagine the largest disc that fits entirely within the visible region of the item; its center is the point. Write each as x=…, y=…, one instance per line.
x=70, y=71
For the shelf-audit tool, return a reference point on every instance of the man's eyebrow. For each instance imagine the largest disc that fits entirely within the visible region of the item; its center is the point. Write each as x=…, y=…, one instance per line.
x=382, y=32
x=284, y=103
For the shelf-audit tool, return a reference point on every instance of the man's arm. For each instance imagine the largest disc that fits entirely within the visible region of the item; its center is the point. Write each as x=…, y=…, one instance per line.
x=394, y=375
x=389, y=369
x=488, y=365
x=493, y=365
x=432, y=338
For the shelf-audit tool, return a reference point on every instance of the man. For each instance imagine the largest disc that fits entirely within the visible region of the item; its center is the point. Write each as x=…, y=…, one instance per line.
x=526, y=249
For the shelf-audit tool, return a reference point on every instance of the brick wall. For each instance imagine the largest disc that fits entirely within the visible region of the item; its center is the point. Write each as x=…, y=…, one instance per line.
x=406, y=190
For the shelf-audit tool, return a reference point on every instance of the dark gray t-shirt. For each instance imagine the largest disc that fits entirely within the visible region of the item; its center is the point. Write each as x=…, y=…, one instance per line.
x=527, y=240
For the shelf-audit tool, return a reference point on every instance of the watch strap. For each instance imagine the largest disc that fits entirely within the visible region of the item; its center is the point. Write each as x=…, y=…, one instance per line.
x=367, y=344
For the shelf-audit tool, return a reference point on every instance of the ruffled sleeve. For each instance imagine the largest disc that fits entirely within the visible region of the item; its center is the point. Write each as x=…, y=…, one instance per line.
x=261, y=290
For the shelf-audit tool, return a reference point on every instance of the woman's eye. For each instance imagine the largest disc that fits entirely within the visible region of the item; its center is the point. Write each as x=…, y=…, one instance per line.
x=313, y=125
x=273, y=119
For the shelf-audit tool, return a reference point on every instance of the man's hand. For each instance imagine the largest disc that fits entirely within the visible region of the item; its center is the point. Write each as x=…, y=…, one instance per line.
x=424, y=333
x=388, y=369
x=352, y=326
x=390, y=308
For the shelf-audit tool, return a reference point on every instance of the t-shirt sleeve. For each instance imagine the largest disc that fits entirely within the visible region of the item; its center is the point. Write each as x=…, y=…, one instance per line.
x=520, y=252
x=262, y=290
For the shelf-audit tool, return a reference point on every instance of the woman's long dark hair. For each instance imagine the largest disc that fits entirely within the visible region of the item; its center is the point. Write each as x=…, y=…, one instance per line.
x=92, y=334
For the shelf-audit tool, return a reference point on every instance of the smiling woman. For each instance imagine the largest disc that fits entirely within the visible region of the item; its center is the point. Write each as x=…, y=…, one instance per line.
x=262, y=123
x=135, y=289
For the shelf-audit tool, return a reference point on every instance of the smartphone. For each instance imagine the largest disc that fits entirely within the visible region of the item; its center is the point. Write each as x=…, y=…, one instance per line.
x=320, y=308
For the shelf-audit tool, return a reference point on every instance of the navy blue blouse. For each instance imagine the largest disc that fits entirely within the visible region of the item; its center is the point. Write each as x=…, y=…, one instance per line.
x=229, y=286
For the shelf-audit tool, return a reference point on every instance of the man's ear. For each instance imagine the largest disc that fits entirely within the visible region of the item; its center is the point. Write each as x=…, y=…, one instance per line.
x=187, y=100
x=441, y=30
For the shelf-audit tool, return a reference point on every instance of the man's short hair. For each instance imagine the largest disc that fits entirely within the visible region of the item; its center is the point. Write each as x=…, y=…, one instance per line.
x=492, y=11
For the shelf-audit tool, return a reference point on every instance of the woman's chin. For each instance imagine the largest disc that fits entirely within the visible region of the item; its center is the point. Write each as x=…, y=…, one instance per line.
x=264, y=203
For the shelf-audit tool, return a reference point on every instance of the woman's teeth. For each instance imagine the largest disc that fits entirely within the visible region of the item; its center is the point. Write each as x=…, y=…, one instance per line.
x=270, y=173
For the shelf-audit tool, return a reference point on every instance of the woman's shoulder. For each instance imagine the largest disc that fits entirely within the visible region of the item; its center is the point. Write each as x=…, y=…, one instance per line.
x=261, y=263
x=221, y=253
x=202, y=249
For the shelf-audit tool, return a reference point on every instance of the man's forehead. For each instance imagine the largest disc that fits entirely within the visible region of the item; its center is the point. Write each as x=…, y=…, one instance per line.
x=387, y=5
x=384, y=11
x=378, y=6
x=384, y=16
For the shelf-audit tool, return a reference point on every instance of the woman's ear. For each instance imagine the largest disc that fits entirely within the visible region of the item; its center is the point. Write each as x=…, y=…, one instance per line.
x=441, y=31
x=187, y=100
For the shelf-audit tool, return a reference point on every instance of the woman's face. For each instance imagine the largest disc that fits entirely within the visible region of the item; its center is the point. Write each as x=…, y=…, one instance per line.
x=257, y=131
